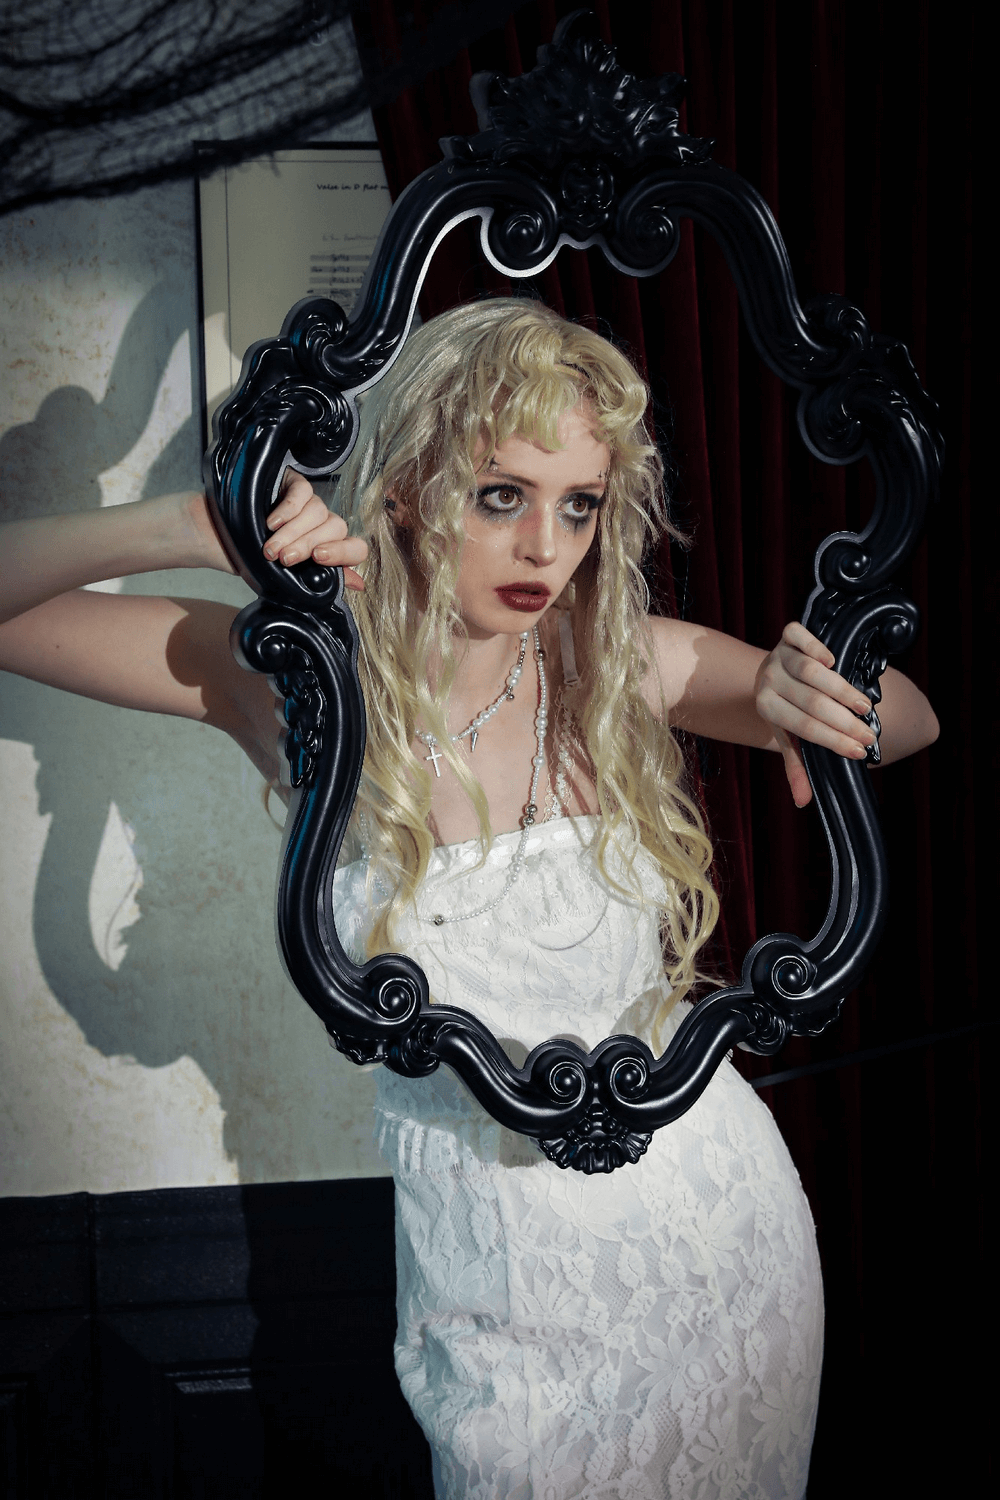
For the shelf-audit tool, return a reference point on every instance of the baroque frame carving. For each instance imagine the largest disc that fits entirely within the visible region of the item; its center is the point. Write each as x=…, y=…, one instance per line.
x=576, y=152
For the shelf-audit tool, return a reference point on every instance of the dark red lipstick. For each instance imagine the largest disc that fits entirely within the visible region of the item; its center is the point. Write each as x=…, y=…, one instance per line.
x=527, y=598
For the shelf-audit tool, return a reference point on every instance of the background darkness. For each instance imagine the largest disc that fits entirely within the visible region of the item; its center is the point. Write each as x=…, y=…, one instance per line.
x=856, y=122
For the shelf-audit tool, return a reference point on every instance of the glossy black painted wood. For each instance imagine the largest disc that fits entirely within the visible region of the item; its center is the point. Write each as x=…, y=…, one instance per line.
x=576, y=152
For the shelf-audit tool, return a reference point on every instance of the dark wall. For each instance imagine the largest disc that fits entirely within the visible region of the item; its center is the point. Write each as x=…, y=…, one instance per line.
x=225, y=1343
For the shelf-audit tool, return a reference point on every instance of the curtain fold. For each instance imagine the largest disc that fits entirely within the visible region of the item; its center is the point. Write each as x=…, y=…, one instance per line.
x=826, y=108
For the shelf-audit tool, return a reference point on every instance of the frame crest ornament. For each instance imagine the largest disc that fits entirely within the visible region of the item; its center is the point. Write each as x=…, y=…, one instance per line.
x=575, y=152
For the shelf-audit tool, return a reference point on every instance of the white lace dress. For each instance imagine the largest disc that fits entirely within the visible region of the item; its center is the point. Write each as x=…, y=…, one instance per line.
x=655, y=1332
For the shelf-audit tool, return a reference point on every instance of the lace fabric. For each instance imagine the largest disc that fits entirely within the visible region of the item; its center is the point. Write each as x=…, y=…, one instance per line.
x=653, y=1333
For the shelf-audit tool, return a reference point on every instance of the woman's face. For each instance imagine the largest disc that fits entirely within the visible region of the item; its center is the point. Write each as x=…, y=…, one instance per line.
x=529, y=526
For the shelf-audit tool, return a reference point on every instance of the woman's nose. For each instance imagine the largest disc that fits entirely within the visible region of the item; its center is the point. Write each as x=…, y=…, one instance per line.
x=536, y=541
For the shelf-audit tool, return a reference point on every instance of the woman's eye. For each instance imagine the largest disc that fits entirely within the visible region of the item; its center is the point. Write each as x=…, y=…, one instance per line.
x=578, y=509
x=500, y=499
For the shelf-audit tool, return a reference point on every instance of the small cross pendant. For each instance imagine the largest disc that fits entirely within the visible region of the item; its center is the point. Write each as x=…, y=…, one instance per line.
x=435, y=756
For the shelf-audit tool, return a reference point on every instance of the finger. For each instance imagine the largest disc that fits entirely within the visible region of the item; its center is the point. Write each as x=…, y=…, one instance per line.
x=810, y=671
x=294, y=495
x=291, y=480
x=795, y=769
x=784, y=716
x=352, y=549
x=796, y=634
x=330, y=554
x=353, y=580
x=294, y=489
x=314, y=521
x=820, y=704
x=302, y=512
x=339, y=554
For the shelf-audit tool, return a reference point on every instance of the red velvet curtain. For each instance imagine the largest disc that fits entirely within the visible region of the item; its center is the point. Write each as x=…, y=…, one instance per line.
x=825, y=105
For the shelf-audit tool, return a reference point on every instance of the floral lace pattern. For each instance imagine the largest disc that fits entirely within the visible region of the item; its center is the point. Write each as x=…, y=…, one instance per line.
x=653, y=1333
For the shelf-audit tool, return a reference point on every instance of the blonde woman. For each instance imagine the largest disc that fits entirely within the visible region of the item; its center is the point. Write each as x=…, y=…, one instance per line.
x=522, y=831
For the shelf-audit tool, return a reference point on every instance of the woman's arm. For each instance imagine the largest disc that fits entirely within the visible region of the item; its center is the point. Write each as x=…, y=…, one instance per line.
x=42, y=558
x=720, y=687
x=167, y=655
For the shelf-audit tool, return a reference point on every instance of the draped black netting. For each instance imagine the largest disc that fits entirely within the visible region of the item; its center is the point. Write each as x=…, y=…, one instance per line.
x=105, y=96
x=100, y=96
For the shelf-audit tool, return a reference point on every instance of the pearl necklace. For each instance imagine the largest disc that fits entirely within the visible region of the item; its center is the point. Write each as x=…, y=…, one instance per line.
x=513, y=678
x=531, y=807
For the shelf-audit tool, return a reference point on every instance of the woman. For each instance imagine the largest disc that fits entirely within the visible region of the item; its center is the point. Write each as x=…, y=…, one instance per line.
x=523, y=832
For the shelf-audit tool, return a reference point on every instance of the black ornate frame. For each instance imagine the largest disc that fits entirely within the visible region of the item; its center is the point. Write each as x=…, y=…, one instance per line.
x=577, y=153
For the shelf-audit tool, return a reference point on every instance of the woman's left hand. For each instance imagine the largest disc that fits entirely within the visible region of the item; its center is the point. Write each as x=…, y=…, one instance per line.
x=802, y=698
x=301, y=527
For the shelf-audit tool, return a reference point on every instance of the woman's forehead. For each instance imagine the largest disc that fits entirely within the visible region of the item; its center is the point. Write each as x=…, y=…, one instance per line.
x=576, y=437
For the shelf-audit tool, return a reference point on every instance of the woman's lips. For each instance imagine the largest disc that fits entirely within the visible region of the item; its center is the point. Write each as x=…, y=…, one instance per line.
x=525, y=597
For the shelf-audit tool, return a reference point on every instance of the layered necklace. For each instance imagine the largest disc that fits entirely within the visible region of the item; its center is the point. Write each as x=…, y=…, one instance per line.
x=537, y=762
x=471, y=730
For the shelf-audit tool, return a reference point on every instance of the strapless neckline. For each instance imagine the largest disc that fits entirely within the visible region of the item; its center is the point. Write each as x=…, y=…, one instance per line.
x=579, y=821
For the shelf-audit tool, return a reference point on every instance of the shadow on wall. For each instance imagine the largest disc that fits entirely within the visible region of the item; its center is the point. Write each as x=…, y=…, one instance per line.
x=198, y=974
x=52, y=465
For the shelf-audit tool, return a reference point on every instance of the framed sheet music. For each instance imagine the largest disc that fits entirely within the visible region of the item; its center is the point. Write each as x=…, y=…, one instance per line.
x=297, y=223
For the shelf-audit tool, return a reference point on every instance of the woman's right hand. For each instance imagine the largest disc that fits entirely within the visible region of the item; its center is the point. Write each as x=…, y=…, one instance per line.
x=302, y=527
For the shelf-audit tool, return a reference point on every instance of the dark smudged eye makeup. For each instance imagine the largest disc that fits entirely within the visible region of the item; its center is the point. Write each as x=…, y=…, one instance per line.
x=578, y=509
x=504, y=501
x=499, y=499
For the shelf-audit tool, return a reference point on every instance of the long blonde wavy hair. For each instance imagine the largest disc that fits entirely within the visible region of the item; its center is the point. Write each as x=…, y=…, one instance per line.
x=465, y=383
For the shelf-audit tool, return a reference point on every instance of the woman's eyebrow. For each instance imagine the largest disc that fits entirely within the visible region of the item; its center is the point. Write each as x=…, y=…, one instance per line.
x=504, y=476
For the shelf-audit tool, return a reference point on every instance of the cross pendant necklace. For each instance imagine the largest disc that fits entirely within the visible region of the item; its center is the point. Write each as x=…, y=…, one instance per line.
x=472, y=730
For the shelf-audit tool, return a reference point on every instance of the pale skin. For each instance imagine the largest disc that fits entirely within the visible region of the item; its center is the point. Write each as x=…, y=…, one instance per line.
x=530, y=525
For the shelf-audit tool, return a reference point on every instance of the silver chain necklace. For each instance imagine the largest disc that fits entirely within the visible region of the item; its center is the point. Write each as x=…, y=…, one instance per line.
x=531, y=807
x=472, y=729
